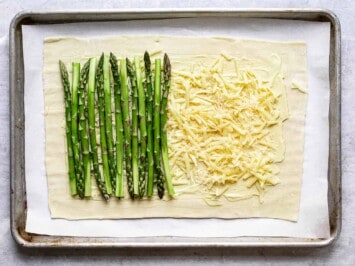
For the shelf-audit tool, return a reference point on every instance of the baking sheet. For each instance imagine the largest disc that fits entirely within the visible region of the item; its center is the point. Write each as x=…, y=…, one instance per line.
x=313, y=219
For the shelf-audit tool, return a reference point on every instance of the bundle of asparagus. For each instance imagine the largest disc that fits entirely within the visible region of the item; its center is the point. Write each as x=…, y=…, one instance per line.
x=133, y=138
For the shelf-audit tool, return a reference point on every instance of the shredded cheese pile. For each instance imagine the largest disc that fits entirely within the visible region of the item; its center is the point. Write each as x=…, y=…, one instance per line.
x=219, y=130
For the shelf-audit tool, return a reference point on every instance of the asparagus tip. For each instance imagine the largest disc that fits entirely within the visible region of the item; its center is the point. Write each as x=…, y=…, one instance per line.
x=101, y=58
x=167, y=66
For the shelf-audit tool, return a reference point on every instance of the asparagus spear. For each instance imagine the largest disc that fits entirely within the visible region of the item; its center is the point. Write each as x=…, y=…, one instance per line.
x=101, y=107
x=68, y=114
x=163, y=120
x=156, y=117
x=134, y=96
x=92, y=131
x=149, y=103
x=142, y=128
x=108, y=121
x=84, y=139
x=127, y=126
x=74, y=129
x=119, y=126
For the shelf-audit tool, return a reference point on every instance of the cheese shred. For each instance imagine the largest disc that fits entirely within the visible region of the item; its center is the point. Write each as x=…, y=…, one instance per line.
x=220, y=130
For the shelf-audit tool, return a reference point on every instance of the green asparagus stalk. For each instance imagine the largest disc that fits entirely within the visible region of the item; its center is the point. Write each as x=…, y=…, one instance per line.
x=101, y=107
x=108, y=121
x=84, y=139
x=142, y=128
x=149, y=103
x=134, y=96
x=75, y=133
x=119, y=126
x=68, y=116
x=127, y=126
x=163, y=120
x=92, y=130
x=157, y=95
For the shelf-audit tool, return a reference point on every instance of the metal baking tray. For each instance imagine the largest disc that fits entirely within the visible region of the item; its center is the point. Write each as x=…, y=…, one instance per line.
x=17, y=131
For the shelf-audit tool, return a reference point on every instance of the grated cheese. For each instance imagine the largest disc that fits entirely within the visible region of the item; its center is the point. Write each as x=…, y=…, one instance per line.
x=296, y=86
x=219, y=130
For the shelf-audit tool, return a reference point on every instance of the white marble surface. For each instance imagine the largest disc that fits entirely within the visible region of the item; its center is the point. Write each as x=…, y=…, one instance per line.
x=340, y=253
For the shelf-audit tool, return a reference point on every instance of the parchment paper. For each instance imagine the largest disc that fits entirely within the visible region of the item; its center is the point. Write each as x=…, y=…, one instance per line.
x=313, y=218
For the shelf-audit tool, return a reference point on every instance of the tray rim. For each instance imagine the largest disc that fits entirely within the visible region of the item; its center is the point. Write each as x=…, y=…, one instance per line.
x=17, y=174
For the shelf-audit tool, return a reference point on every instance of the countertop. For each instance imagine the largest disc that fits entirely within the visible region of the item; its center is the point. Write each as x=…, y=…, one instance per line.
x=340, y=253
